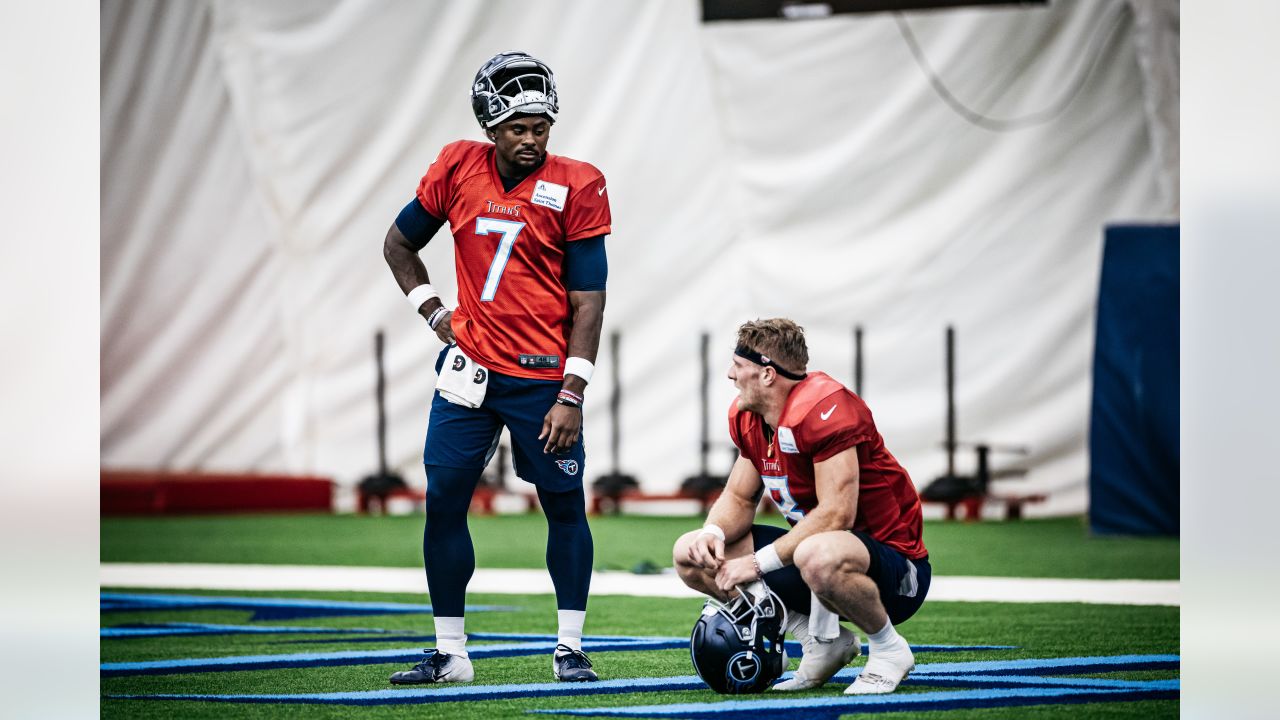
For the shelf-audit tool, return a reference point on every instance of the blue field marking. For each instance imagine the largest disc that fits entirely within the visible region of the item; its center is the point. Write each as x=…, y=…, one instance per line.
x=423, y=640
x=973, y=674
x=979, y=681
x=793, y=648
x=527, y=644
x=367, y=657
x=181, y=628
x=1044, y=666
x=266, y=608
x=133, y=630
x=830, y=708
x=482, y=637
x=450, y=693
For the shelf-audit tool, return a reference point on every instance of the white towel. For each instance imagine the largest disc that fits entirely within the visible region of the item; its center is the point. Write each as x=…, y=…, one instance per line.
x=462, y=380
x=756, y=588
x=823, y=624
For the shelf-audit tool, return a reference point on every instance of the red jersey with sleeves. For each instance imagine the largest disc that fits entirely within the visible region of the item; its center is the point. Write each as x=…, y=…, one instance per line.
x=820, y=419
x=509, y=248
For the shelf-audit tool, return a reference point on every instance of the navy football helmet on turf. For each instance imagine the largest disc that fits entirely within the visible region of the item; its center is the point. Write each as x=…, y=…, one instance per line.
x=738, y=648
x=513, y=82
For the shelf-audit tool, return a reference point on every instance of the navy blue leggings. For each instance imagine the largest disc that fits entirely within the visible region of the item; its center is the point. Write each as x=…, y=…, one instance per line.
x=450, y=556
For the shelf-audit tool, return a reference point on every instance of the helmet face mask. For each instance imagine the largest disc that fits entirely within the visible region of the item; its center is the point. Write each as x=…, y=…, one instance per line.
x=510, y=83
x=738, y=648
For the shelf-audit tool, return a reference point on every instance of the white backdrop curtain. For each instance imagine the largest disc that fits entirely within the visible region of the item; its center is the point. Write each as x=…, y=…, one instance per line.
x=254, y=154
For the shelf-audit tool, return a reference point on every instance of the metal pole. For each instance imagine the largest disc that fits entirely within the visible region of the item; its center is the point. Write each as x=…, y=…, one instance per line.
x=382, y=404
x=857, y=360
x=705, y=446
x=951, y=401
x=615, y=400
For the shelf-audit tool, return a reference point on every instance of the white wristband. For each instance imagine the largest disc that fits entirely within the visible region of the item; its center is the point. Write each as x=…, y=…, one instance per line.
x=580, y=367
x=768, y=560
x=421, y=294
x=713, y=529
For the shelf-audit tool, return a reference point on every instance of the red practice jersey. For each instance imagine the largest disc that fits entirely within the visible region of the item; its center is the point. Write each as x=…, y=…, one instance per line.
x=820, y=419
x=513, y=310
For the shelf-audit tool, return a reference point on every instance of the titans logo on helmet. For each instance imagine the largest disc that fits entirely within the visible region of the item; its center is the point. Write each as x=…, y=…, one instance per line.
x=743, y=669
x=737, y=647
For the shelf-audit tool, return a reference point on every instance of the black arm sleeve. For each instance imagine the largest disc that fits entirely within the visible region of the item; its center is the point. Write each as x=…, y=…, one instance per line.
x=585, y=264
x=417, y=225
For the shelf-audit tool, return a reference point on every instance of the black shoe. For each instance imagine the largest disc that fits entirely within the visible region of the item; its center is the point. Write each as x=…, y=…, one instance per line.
x=436, y=667
x=572, y=665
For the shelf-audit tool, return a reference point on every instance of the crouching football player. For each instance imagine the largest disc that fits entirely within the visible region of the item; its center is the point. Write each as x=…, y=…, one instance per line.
x=855, y=548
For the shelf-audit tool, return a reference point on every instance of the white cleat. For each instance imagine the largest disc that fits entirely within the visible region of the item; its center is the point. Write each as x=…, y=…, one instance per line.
x=883, y=672
x=822, y=659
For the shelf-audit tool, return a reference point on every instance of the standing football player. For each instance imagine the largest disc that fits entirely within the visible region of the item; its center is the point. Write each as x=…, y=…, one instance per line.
x=855, y=545
x=528, y=230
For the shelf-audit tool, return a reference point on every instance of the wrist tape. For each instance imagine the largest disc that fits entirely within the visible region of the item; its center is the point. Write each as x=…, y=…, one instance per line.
x=767, y=559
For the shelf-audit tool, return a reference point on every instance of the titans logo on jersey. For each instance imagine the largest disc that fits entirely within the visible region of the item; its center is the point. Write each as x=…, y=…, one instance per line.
x=509, y=248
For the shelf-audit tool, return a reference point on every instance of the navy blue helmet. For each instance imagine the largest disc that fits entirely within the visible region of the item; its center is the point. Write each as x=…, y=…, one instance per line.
x=738, y=648
x=513, y=82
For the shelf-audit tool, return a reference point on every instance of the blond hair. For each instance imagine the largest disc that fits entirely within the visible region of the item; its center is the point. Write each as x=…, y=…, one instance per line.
x=780, y=339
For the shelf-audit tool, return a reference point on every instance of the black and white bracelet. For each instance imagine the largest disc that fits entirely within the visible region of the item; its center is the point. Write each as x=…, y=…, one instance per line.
x=570, y=398
x=436, y=316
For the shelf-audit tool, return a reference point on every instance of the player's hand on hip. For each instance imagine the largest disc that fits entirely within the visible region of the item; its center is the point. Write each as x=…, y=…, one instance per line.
x=444, y=330
x=560, y=428
x=735, y=572
x=706, y=551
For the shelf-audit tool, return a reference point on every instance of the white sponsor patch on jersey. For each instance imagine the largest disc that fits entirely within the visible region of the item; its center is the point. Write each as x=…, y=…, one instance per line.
x=787, y=441
x=550, y=195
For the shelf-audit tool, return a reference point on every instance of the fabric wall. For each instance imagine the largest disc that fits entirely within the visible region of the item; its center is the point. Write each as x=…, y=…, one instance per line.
x=254, y=155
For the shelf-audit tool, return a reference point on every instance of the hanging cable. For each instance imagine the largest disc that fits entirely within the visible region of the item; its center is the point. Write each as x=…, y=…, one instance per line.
x=1097, y=42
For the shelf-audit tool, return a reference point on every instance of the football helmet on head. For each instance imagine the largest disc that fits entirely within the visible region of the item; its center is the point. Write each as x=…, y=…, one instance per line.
x=513, y=82
x=738, y=648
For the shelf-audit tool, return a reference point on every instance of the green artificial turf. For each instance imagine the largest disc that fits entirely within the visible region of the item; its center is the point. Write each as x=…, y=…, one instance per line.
x=1036, y=548
x=1060, y=547
x=1038, y=630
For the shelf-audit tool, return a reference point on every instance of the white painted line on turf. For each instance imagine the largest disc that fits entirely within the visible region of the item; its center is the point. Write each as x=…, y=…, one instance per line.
x=1034, y=590
x=413, y=580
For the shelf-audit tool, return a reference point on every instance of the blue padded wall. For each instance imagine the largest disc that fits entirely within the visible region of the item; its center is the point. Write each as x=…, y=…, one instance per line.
x=1133, y=431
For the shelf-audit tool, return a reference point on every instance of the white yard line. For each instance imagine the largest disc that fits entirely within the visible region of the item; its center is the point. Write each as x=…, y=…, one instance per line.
x=413, y=580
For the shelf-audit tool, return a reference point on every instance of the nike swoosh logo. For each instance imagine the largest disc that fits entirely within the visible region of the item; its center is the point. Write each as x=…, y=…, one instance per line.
x=600, y=192
x=827, y=414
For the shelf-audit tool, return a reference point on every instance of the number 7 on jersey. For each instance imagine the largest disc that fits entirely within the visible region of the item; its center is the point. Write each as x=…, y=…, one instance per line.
x=509, y=231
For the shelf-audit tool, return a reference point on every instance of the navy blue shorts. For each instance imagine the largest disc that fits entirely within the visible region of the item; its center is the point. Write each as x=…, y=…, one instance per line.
x=903, y=583
x=462, y=437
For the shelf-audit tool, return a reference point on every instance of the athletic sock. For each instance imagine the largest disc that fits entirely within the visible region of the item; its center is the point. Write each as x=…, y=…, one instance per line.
x=451, y=638
x=886, y=640
x=798, y=626
x=570, y=632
